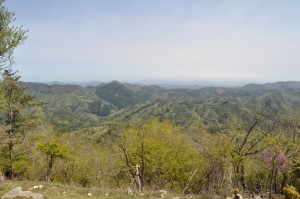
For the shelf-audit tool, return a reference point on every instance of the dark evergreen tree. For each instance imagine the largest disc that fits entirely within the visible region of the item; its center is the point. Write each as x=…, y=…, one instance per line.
x=15, y=123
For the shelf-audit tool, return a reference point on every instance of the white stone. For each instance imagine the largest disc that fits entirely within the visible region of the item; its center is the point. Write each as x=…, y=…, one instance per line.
x=164, y=192
x=17, y=192
x=129, y=191
x=1, y=177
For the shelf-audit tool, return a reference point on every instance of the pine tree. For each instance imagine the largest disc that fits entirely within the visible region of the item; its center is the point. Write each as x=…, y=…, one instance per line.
x=16, y=123
x=12, y=95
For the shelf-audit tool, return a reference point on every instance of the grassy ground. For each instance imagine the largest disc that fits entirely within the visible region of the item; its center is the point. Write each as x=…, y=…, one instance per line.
x=60, y=191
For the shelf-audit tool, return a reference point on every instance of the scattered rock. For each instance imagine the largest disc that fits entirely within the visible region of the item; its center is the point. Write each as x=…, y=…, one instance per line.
x=18, y=193
x=237, y=196
x=129, y=191
x=162, y=193
x=12, y=193
x=89, y=194
x=37, y=187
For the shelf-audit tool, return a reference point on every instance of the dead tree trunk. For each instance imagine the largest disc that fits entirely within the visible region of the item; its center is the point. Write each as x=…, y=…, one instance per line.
x=137, y=177
x=133, y=174
x=189, y=182
x=127, y=160
x=143, y=166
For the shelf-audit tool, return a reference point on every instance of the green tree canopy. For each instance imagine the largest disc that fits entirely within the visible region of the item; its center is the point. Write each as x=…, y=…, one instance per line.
x=16, y=124
x=53, y=149
x=10, y=36
x=169, y=157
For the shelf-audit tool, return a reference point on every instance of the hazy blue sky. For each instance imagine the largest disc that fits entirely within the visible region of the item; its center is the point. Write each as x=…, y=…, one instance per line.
x=102, y=40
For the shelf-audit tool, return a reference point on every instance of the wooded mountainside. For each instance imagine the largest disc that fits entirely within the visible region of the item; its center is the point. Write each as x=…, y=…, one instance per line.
x=208, y=142
x=200, y=141
x=71, y=107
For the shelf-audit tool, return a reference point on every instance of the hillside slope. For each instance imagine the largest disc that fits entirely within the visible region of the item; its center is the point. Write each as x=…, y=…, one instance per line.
x=73, y=106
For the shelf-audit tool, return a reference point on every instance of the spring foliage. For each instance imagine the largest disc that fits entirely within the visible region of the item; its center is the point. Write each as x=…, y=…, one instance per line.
x=290, y=192
x=10, y=36
x=168, y=155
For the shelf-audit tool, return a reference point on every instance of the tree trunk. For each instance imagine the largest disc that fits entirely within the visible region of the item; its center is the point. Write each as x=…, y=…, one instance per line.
x=127, y=160
x=49, y=169
x=243, y=177
x=271, y=181
x=275, y=181
x=11, y=158
x=189, y=182
x=143, y=166
x=137, y=178
x=284, y=181
x=237, y=176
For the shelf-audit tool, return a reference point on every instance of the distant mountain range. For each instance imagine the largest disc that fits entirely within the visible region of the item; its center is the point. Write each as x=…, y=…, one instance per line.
x=162, y=83
x=191, y=84
x=273, y=86
x=73, y=106
x=80, y=83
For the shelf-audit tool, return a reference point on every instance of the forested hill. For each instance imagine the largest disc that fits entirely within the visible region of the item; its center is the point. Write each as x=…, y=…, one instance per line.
x=289, y=85
x=73, y=106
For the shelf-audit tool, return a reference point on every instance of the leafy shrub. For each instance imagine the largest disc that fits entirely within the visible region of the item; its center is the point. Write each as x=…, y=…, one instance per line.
x=236, y=191
x=290, y=192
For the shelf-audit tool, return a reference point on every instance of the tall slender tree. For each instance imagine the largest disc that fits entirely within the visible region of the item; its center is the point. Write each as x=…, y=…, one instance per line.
x=12, y=95
x=15, y=123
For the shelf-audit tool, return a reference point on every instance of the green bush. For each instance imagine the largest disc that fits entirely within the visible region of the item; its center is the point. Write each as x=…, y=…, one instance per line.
x=236, y=191
x=21, y=162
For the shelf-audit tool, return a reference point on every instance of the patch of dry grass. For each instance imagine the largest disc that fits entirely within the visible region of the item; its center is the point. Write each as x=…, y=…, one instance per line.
x=61, y=191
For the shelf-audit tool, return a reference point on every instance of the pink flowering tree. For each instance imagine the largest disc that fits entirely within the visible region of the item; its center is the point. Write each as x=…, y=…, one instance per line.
x=275, y=161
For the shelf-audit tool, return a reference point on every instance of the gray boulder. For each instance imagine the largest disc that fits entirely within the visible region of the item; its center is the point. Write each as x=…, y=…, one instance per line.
x=18, y=193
